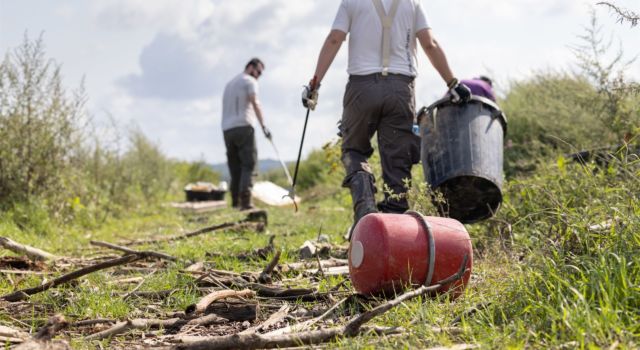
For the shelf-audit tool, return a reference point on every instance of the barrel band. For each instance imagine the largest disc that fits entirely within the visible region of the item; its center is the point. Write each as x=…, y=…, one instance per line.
x=432, y=244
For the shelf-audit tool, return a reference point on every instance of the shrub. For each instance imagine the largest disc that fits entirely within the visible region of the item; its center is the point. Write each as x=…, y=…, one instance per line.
x=41, y=128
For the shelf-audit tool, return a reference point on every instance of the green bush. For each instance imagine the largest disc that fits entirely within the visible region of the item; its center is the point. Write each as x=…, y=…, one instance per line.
x=53, y=163
x=41, y=128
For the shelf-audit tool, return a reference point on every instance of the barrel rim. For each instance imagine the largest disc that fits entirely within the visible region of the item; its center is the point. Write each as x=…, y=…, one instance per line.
x=467, y=173
x=446, y=102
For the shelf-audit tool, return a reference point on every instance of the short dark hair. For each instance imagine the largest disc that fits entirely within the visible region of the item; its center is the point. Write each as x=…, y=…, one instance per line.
x=254, y=63
x=486, y=79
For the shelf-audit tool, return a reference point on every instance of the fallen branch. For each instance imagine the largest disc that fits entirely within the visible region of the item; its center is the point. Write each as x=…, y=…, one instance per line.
x=303, y=326
x=272, y=320
x=258, y=341
x=25, y=293
x=265, y=275
x=354, y=325
x=42, y=339
x=89, y=323
x=147, y=253
x=12, y=335
x=351, y=329
x=235, y=225
x=210, y=298
x=31, y=252
x=144, y=324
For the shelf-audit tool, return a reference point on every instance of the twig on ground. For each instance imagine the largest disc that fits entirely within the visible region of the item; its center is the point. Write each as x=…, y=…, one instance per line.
x=42, y=339
x=89, y=323
x=254, y=218
x=24, y=272
x=303, y=326
x=12, y=335
x=146, y=253
x=202, y=305
x=352, y=328
x=272, y=320
x=142, y=324
x=258, y=341
x=31, y=252
x=25, y=293
x=265, y=275
x=55, y=324
x=135, y=289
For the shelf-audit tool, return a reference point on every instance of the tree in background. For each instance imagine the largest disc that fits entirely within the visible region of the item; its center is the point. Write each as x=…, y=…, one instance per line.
x=618, y=103
x=41, y=128
x=624, y=15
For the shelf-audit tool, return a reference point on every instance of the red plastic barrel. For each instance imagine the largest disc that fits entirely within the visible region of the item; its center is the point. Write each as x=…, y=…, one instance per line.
x=389, y=252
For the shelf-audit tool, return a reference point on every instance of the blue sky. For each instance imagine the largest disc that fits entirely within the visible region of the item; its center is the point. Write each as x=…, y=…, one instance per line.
x=162, y=64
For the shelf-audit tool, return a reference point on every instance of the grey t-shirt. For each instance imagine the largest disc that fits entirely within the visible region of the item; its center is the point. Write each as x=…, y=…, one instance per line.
x=236, y=109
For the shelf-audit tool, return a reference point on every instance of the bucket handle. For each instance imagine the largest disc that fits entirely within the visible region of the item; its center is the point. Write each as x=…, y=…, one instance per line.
x=497, y=112
x=432, y=245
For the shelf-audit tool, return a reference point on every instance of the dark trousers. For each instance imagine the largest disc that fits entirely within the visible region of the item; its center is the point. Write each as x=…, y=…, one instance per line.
x=386, y=106
x=242, y=157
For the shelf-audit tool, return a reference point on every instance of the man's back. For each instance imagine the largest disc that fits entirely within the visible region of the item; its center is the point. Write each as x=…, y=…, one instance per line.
x=236, y=107
x=360, y=19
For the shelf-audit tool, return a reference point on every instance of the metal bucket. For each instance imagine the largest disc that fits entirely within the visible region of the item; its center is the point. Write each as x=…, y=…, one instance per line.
x=462, y=156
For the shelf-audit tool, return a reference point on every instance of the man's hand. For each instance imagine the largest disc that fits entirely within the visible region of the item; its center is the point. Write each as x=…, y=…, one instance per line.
x=310, y=94
x=459, y=93
x=267, y=132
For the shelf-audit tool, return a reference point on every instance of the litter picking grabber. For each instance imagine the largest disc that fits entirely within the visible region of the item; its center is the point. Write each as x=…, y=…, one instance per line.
x=284, y=167
x=292, y=191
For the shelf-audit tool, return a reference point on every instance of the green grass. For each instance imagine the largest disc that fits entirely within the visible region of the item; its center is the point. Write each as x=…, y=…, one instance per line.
x=550, y=282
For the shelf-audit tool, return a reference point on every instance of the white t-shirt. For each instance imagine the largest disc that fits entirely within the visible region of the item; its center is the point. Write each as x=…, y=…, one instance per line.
x=361, y=21
x=236, y=109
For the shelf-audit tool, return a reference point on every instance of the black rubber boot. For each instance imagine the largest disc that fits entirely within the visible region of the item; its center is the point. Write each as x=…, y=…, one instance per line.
x=362, y=196
x=245, y=200
x=235, y=202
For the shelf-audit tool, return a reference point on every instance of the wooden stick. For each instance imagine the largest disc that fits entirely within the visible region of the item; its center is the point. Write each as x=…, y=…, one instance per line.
x=352, y=328
x=25, y=293
x=87, y=323
x=147, y=253
x=273, y=319
x=173, y=323
x=31, y=252
x=23, y=272
x=258, y=341
x=55, y=324
x=303, y=326
x=265, y=275
x=202, y=305
x=13, y=335
x=239, y=224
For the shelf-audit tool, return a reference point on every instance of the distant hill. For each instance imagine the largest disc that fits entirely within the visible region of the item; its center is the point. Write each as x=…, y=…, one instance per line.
x=264, y=165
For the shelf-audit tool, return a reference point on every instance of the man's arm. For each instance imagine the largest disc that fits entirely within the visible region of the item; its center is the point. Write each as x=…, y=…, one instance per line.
x=435, y=53
x=329, y=51
x=253, y=99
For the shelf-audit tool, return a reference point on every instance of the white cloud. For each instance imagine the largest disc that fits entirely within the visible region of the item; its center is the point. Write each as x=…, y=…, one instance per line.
x=175, y=56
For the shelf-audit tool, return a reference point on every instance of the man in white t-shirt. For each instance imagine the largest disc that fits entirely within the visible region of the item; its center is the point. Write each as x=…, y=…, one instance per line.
x=240, y=109
x=379, y=97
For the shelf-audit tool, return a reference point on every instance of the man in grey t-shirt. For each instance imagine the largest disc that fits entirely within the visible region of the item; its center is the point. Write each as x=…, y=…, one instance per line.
x=240, y=109
x=379, y=97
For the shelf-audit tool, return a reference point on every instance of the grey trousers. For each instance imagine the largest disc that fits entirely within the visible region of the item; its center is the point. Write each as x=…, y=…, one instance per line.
x=242, y=157
x=386, y=106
